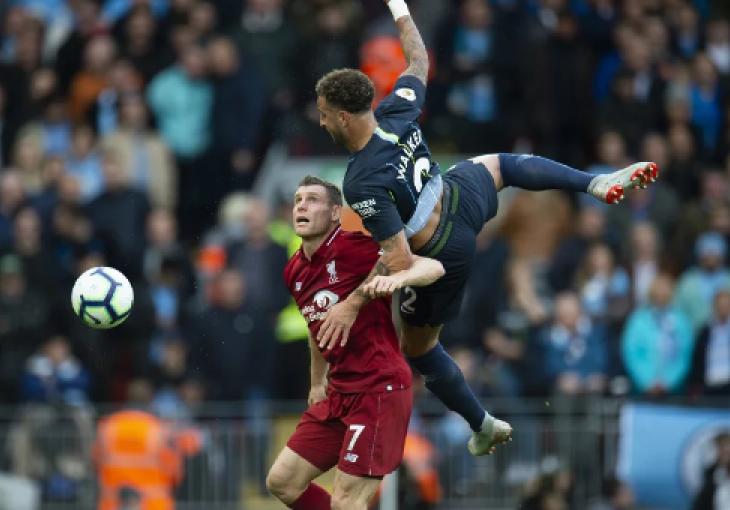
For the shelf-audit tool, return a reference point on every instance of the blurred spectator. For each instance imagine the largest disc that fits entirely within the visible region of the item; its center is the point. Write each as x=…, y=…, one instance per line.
x=84, y=162
x=86, y=86
x=711, y=360
x=718, y=45
x=698, y=285
x=268, y=40
x=657, y=343
x=590, y=228
x=551, y=490
x=181, y=98
x=54, y=375
x=696, y=216
x=118, y=215
x=41, y=270
x=261, y=261
x=715, y=490
x=144, y=158
x=167, y=266
x=603, y=286
x=617, y=495
x=70, y=56
x=24, y=315
x=141, y=40
x=238, y=108
x=104, y=113
x=705, y=103
x=644, y=260
x=574, y=350
x=233, y=343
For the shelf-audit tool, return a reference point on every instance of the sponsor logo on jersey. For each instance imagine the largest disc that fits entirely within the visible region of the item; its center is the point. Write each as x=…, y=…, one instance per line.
x=323, y=300
x=332, y=271
x=350, y=457
x=365, y=209
x=407, y=94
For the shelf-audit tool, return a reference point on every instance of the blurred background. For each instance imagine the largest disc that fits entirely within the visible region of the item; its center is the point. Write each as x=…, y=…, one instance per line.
x=166, y=137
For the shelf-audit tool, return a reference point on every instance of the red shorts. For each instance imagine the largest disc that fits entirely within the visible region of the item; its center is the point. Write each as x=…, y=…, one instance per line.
x=363, y=434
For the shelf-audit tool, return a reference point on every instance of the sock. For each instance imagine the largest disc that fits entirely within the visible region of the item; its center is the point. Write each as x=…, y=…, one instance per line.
x=313, y=498
x=536, y=174
x=445, y=380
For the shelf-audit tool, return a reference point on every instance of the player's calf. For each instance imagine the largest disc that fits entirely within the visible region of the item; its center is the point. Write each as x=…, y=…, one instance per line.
x=353, y=492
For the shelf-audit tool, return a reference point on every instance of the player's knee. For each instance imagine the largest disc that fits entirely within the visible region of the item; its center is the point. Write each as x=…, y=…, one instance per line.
x=282, y=485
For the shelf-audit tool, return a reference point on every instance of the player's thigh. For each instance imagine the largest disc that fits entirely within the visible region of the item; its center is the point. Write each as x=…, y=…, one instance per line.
x=377, y=425
x=318, y=437
x=290, y=475
x=491, y=163
x=423, y=310
x=353, y=492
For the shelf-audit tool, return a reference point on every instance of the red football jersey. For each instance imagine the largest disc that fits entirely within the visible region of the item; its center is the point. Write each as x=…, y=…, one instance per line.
x=371, y=361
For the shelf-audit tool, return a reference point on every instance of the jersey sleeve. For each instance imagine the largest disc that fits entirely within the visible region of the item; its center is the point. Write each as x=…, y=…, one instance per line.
x=405, y=102
x=377, y=210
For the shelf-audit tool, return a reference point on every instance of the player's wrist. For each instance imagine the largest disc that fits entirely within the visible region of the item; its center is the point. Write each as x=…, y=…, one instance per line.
x=398, y=8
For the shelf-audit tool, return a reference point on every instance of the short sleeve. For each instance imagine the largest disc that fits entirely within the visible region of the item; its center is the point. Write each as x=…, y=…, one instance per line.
x=405, y=101
x=377, y=211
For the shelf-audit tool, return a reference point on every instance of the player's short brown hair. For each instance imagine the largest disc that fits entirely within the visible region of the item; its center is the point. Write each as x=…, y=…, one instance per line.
x=347, y=89
x=333, y=192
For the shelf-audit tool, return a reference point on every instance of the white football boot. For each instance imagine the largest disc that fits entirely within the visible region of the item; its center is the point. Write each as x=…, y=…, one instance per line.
x=611, y=188
x=492, y=433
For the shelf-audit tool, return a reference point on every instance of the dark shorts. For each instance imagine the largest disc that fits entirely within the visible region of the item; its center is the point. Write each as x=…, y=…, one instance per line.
x=363, y=434
x=470, y=200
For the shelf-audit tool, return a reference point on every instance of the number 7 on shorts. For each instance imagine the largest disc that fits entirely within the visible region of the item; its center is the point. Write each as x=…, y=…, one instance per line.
x=358, y=430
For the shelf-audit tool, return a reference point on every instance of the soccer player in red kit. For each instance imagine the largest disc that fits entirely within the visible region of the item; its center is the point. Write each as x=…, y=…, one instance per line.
x=361, y=395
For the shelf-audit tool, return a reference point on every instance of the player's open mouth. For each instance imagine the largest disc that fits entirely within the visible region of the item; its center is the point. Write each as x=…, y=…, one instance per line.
x=302, y=221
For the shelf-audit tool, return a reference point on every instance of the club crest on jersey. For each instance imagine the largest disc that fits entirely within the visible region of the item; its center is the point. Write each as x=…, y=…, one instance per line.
x=407, y=94
x=332, y=271
x=324, y=299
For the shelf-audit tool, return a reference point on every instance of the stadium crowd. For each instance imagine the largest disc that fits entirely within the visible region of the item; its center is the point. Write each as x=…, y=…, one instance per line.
x=125, y=124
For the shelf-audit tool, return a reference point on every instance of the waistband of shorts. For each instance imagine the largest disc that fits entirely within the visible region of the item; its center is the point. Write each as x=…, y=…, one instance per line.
x=449, y=205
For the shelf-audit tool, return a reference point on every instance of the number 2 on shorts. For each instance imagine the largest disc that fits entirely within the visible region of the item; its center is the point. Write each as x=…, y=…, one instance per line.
x=358, y=430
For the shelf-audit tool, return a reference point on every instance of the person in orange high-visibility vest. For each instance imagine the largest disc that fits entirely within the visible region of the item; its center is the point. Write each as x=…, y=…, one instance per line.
x=139, y=461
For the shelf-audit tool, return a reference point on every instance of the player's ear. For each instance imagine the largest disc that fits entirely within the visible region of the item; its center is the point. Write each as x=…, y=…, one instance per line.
x=336, y=213
x=344, y=118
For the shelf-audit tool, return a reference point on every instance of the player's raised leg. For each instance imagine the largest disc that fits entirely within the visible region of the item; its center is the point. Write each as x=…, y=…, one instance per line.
x=353, y=492
x=536, y=173
x=443, y=377
x=290, y=481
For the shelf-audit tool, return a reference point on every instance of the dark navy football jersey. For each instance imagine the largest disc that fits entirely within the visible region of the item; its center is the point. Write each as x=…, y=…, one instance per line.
x=385, y=180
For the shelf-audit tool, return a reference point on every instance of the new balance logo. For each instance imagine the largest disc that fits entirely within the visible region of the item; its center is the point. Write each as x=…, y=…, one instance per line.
x=333, y=272
x=298, y=287
x=350, y=457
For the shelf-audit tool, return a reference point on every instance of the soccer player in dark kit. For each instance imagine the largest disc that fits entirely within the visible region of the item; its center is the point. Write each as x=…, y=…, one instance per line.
x=411, y=207
x=361, y=397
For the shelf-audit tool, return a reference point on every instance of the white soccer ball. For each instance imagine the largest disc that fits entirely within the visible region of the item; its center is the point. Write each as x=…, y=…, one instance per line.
x=102, y=297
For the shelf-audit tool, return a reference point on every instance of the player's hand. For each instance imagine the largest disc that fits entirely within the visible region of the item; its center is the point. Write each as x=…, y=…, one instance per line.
x=316, y=394
x=383, y=286
x=337, y=324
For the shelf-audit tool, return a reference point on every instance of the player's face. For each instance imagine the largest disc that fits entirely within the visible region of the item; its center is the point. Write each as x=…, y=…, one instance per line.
x=328, y=119
x=314, y=214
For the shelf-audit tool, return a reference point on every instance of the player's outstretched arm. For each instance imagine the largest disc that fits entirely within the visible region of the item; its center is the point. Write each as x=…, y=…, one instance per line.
x=396, y=256
x=423, y=272
x=414, y=48
x=318, y=390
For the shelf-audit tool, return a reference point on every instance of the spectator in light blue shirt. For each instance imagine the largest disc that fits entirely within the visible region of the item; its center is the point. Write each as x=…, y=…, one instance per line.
x=657, y=343
x=182, y=99
x=84, y=163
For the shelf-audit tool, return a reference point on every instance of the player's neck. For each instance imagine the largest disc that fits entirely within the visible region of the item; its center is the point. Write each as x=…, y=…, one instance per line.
x=361, y=133
x=310, y=246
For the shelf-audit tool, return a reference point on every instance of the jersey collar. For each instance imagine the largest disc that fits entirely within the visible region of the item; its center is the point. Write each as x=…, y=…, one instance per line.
x=325, y=245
